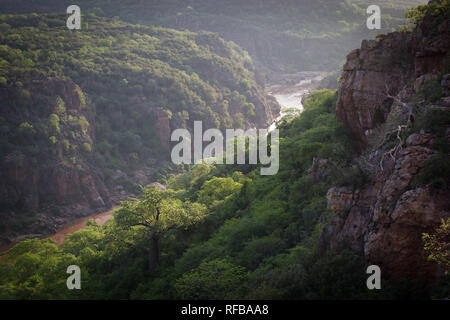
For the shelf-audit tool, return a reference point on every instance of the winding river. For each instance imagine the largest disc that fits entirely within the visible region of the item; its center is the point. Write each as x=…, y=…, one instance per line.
x=289, y=96
x=79, y=224
x=72, y=227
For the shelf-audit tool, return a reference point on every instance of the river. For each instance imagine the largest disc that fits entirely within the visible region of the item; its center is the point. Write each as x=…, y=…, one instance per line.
x=72, y=227
x=79, y=224
x=288, y=95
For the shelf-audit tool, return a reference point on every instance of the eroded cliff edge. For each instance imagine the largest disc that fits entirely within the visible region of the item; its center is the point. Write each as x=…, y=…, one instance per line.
x=394, y=97
x=42, y=187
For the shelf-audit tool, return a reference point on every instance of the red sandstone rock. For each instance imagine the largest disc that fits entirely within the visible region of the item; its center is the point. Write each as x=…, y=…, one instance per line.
x=385, y=219
x=163, y=128
x=383, y=68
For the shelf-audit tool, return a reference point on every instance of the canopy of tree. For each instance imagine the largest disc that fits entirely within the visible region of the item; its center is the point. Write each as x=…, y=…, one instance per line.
x=123, y=73
x=282, y=35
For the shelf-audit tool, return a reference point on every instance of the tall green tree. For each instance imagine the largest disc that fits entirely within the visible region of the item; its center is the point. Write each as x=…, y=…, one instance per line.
x=157, y=212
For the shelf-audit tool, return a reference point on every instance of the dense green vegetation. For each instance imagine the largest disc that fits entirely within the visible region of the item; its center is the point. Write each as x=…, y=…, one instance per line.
x=124, y=73
x=89, y=102
x=282, y=35
x=438, y=10
x=437, y=169
x=259, y=232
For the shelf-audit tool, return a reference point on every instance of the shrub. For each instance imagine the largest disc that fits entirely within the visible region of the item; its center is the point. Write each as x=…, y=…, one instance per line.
x=53, y=123
x=53, y=139
x=434, y=120
x=87, y=147
x=217, y=189
x=249, y=109
x=436, y=172
x=351, y=176
x=26, y=129
x=258, y=249
x=432, y=90
x=437, y=245
x=217, y=279
x=60, y=106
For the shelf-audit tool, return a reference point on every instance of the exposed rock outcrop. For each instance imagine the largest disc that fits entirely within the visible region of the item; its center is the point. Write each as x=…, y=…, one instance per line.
x=384, y=220
x=431, y=45
x=41, y=190
x=383, y=68
x=163, y=128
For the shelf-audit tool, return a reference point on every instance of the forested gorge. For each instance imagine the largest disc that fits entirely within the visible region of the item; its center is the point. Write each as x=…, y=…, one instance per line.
x=259, y=233
x=217, y=232
x=93, y=104
x=284, y=35
x=105, y=99
x=208, y=79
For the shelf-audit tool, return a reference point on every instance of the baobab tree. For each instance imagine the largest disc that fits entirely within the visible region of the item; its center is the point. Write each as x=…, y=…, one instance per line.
x=157, y=212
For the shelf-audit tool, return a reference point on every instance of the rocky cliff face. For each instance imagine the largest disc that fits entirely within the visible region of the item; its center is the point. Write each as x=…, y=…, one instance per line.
x=163, y=128
x=65, y=143
x=384, y=68
x=49, y=172
x=384, y=219
x=371, y=74
x=40, y=190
